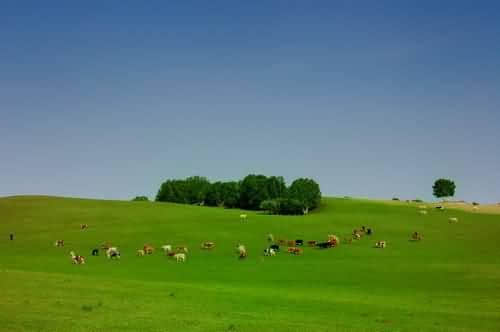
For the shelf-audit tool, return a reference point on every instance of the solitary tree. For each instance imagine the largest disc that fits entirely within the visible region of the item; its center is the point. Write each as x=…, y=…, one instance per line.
x=307, y=192
x=443, y=188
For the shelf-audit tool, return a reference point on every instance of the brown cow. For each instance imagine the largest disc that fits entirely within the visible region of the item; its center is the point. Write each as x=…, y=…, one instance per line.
x=148, y=249
x=295, y=250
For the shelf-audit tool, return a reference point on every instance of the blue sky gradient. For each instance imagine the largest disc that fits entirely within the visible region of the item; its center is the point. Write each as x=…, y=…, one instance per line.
x=376, y=99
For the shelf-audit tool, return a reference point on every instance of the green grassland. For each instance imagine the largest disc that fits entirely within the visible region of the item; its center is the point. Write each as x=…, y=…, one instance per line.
x=449, y=281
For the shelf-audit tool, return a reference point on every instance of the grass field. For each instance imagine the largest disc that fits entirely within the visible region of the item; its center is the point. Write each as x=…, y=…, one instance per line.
x=450, y=281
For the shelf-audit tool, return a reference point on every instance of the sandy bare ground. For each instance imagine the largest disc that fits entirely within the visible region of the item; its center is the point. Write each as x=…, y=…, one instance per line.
x=483, y=208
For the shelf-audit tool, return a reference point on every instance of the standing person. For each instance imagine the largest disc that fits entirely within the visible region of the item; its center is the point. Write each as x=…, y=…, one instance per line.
x=11, y=236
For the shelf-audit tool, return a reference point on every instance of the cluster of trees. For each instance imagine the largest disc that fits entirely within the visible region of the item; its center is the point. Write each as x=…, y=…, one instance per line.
x=254, y=192
x=140, y=199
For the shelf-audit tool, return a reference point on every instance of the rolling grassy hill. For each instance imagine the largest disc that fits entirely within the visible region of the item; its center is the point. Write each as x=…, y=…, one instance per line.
x=450, y=281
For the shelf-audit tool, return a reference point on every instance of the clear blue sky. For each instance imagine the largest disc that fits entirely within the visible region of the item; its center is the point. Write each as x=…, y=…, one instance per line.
x=371, y=98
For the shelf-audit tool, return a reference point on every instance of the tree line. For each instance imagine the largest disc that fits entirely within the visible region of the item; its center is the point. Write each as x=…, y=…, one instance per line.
x=254, y=192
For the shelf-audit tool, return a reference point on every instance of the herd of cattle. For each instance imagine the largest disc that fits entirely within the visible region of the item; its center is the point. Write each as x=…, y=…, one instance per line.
x=294, y=247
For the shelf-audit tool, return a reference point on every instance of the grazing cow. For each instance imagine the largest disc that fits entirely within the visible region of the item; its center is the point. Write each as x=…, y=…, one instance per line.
x=270, y=238
x=208, y=245
x=358, y=232
x=76, y=259
x=380, y=244
x=242, y=251
x=311, y=243
x=275, y=247
x=182, y=249
x=295, y=250
x=369, y=231
x=281, y=242
x=324, y=245
x=148, y=249
x=269, y=252
x=84, y=226
x=453, y=220
x=291, y=243
x=113, y=253
x=356, y=236
x=106, y=246
x=95, y=252
x=140, y=252
x=333, y=240
x=167, y=248
x=424, y=212
x=59, y=243
x=180, y=257
x=440, y=207
x=243, y=217
x=171, y=253
x=299, y=242
x=416, y=236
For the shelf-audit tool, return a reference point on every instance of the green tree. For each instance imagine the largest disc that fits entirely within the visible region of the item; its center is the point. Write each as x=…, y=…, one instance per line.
x=307, y=192
x=443, y=188
x=276, y=187
x=140, y=199
x=253, y=190
x=213, y=196
x=196, y=189
x=272, y=206
x=230, y=194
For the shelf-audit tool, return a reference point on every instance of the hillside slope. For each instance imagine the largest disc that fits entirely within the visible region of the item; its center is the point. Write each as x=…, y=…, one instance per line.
x=447, y=282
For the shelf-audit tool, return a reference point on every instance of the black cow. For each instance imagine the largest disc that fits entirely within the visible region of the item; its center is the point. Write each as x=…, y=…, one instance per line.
x=275, y=247
x=324, y=245
x=369, y=231
x=11, y=236
x=95, y=252
x=299, y=242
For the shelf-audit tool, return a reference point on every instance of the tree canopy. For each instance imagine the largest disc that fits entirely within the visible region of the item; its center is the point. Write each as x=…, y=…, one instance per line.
x=254, y=192
x=444, y=188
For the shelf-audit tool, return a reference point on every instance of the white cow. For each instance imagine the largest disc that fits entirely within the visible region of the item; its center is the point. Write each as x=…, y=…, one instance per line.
x=453, y=220
x=243, y=217
x=167, y=248
x=380, y=244
x=269, y=252
x=113, y=253
x=423, y=211
x=180, y=257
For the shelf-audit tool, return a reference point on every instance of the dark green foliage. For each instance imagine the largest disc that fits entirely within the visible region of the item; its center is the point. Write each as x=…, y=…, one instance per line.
x=196, y=189
x=226, y=194
x=307, y=192
x=276, y=187
x=290, y=206
x=443, y=188
x=417, y=200
x=213, y=195
x=271, y=206
x=140, y=199
x=230, y=193
x=475, y=203
x=395, y=199
x=283, y=206
x=254, y=192
x=189, y=191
